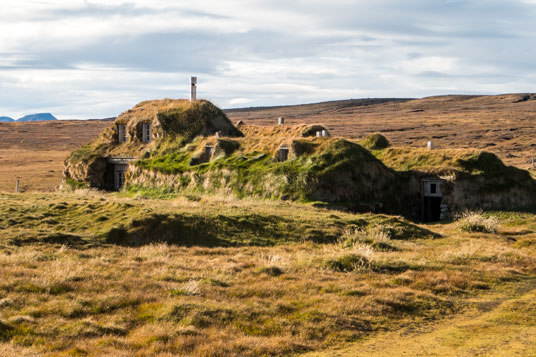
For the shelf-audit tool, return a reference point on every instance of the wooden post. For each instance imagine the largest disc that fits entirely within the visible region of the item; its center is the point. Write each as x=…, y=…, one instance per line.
x=533, y=162
x=18, y=182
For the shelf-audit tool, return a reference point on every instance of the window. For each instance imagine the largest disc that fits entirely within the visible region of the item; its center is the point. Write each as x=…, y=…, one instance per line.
x=122, y=133
x=208, y=152
x=146, y=133
x=283, y=154
x=433, y=188
x=119, y=179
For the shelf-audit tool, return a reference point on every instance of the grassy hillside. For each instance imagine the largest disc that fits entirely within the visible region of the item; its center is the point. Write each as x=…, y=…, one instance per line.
x=88, y=273
x=335, y=171
x=499, y=124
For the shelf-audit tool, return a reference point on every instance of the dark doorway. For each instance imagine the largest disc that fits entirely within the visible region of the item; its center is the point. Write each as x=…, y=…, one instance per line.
x=431, y=199
x=109, y=178
x=115, y=174
x=432, y=209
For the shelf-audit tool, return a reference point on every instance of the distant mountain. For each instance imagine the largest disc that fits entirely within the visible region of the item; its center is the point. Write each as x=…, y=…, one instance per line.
x=37, y=117
x=4, y=119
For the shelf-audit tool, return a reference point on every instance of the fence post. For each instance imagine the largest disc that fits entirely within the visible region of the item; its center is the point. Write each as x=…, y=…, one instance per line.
x=18, y=182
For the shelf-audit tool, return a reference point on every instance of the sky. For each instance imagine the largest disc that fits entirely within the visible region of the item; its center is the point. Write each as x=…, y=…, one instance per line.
x=97, y=58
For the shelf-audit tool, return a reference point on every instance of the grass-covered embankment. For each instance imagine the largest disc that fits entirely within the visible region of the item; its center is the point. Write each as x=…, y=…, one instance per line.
x=76, y=219
x=333, y=171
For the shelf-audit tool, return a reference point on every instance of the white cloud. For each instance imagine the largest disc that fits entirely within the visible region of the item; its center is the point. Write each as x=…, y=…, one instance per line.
x=91, y=58
x=239, y=101
x=438, y=64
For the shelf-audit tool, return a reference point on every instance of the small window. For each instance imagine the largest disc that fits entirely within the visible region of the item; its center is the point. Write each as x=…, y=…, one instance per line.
x=119, y=179
x=283, y=154
x=146, y=134
x=208, y=152
x=122, y=133
x=433, y=188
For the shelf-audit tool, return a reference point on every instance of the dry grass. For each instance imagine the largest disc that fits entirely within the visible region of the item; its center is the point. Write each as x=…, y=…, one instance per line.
x=41, y=170
x=160, y=299
x=471, y=221
x=34, y=151
x=149, y=109
x=406, y=158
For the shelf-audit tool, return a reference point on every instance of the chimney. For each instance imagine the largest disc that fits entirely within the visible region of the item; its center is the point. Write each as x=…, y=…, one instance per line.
x=193, y=89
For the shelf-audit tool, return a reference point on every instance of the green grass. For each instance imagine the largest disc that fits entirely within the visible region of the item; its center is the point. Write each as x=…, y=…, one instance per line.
x=364, y=181
x=78, y=220
x=375, y=141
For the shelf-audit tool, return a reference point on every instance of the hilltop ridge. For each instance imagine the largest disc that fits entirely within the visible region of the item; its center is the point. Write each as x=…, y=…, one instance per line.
x=37, y=117
x=30, y=118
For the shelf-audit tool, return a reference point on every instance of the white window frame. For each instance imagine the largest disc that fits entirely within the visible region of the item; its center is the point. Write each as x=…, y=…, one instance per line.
x=122, y=133
x=146, y=133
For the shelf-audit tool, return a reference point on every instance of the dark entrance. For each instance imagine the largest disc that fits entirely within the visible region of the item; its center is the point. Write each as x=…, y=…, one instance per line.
x=431, y=200
x=432, y=209
x=114, y=176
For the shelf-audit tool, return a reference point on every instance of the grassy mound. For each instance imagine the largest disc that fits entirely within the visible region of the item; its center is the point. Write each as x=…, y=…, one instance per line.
x=174, y=123
x=375, y=141
x=192, y=119
x=475, y=179
x=197, y=150
x=76, y=221
x=334, y=170
x=469, y=161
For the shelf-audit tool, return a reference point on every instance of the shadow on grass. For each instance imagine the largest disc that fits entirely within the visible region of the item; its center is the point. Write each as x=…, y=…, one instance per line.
x=216, y=231
x=70, y=240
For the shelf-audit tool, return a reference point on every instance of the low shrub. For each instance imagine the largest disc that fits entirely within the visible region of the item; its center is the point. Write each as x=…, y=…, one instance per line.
x=347, y=263
x=378, y=238
x=474, y=221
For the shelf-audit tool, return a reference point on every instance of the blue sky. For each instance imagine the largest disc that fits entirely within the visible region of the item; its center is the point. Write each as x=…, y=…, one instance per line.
x=97, y=58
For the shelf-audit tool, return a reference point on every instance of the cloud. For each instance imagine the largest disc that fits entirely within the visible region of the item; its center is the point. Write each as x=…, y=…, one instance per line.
x=96, y=58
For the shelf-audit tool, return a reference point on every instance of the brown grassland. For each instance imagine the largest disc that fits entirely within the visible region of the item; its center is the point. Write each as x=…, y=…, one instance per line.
x=88, y=273
x=34, y=151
